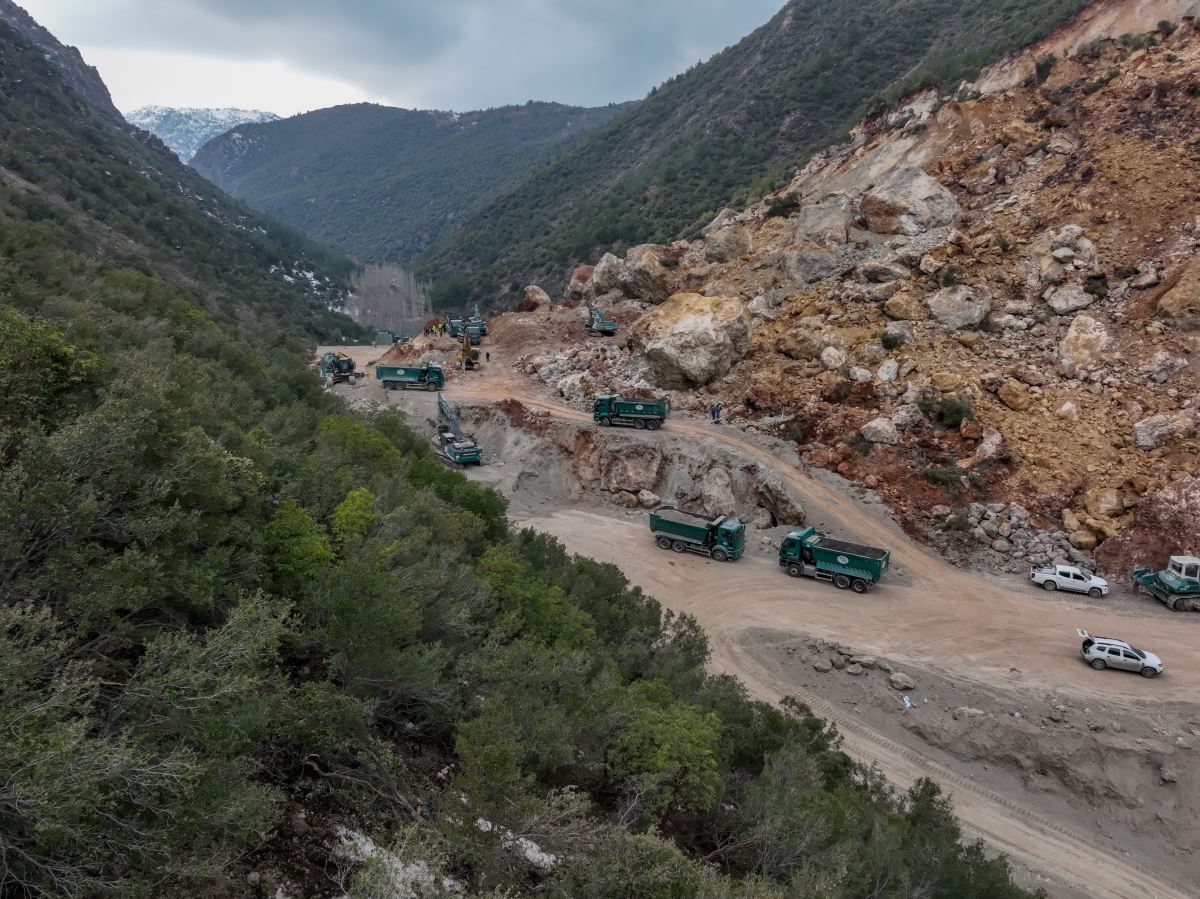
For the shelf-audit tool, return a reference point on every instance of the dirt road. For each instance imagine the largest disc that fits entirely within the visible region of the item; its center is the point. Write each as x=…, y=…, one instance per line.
x=930, y=614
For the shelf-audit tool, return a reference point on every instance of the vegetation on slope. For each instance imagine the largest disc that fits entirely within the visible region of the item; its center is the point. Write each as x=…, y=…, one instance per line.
x=383, y=183
x=223, y=597
x=724, y=132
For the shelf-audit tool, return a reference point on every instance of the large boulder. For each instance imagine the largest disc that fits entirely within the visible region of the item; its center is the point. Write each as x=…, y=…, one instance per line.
x=906, y=307
x=691, y=339
x=1069, y=298
x=880, y=430
x=959, y=307
x=908, y=201
x=1158, y=430
x=728, y=244
x=645, y=277
x=580, y=285
x=825, y=223
x=1161, y=526
x=535, y=298
x=1180, y=306
x=1083, y=346
x=607, y=274
x=799, y=344
x=632, y=468
x=808, y=266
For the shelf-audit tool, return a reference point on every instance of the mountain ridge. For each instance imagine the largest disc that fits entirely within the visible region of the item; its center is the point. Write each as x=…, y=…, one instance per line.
x=383, y=183
x=185, y=129
x=726, y=132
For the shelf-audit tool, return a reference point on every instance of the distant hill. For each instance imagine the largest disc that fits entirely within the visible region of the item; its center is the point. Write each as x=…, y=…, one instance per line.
x=726, y=131
x=186, y=129
x=381, y=183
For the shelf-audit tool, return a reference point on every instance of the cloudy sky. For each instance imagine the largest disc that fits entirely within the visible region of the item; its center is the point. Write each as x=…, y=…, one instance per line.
x=289, y=56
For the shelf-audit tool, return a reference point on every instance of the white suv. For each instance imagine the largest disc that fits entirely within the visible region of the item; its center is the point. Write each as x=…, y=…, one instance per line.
x=1105, y=652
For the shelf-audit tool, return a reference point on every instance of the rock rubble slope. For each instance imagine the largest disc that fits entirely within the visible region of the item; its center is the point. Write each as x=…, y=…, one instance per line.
x=990, y=297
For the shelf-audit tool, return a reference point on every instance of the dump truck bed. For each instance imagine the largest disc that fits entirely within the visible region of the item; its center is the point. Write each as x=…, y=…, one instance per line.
x=851, y=549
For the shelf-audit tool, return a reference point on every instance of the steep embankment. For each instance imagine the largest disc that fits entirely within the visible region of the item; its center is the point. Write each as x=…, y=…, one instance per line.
x=383, y=183
x=988, y=296
x=728, y=129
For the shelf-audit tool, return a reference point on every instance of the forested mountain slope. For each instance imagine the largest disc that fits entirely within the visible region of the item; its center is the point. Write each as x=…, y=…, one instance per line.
x=238, y=622
x=383, y=183
x=725, y=131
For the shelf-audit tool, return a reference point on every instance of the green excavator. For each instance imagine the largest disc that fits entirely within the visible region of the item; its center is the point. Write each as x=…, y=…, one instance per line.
x=452, y=447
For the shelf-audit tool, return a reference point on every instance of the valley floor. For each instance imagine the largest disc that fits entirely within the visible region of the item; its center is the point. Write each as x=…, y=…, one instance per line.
x=1087, y=780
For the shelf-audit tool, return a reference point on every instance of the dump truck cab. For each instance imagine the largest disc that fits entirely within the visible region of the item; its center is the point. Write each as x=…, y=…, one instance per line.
x=848, y=566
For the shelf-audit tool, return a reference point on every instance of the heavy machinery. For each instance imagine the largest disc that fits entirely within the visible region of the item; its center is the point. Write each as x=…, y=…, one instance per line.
x=337, y=368
x=429, y=376
x=598, y=324
x=474, y=329
x=450, y=443
x=478, y=321
x=649, y=415
x=469, y=354
x=1177, y=586
x=850, y=566
x=384, y=337
x=722, y=538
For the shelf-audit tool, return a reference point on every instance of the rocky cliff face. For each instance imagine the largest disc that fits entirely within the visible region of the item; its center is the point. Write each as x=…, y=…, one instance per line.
x=83, y=80
x=989, y=296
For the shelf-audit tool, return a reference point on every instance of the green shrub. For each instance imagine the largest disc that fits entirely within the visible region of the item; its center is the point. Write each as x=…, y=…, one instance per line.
x=949, y=477
x=783, y=205
x=951, y=276
x=1097, y=286
x=1166, y=27
x=892, y=340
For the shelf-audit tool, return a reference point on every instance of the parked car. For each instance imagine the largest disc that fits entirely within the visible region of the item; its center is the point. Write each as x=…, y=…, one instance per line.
x=1108, y=652
x=1067, y=577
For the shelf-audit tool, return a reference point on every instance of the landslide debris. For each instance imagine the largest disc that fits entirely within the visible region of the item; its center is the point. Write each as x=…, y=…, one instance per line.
x=988, y=297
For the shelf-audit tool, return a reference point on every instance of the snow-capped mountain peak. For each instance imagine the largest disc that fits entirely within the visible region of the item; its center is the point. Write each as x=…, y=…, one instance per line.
x=186, y=129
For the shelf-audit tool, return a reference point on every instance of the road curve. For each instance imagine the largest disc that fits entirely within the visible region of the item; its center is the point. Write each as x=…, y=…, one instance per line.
x=942, y=617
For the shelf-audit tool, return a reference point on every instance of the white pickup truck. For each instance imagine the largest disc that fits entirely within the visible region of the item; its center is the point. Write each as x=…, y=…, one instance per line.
x=1067, y=577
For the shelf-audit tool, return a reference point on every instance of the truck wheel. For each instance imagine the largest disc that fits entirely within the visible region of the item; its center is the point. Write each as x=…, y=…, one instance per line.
x=431, y=386
x=719, y=555
x=640, y=424
x=1099, y=664
x=858, y=585
x=652, y=425
x=664, y=542
x=1049, y=585
x=795, y=570
x=841, y=582
x=1094, y=593
x=679, y=546
x=605, y=421
x=1149, y=672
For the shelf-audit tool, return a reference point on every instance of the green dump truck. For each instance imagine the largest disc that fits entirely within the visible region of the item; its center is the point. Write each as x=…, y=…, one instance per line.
x=722, y=538
x=647, y=415
x=421, y=377
x=850, y=566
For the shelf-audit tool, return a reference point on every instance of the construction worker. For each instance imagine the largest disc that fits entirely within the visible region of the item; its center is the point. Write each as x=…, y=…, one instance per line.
x=488, y=356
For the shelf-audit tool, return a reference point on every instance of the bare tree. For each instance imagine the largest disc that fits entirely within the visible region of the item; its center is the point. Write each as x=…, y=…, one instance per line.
x=386, y=296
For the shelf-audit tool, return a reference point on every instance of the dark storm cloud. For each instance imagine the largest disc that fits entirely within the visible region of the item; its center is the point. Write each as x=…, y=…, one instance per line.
x=446, y=53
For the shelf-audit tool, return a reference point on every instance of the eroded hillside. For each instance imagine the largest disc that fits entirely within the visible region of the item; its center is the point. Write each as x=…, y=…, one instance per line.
x=991, y=297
